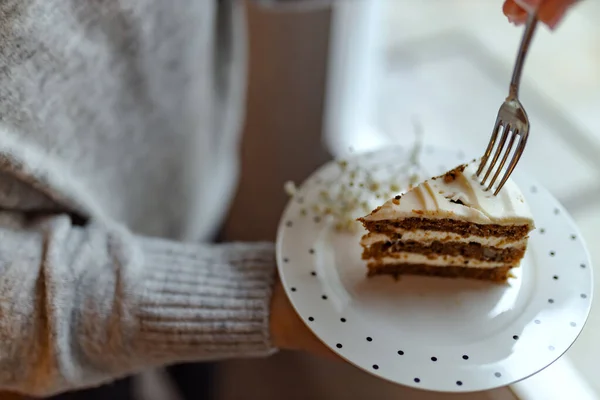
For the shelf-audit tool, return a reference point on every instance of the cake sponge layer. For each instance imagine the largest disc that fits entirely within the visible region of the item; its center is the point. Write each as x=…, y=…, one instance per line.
x=498, y=274
x=467, y=250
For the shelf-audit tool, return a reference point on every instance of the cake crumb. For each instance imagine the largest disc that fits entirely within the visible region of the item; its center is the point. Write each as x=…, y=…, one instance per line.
x=450, y=176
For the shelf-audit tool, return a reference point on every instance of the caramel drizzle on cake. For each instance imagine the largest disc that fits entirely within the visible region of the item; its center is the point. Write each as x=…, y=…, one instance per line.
x=449, y=226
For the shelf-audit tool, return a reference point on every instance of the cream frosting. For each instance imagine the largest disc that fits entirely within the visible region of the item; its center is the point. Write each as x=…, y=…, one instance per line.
x=440, y=261
x=434, y=199
x=428, y=237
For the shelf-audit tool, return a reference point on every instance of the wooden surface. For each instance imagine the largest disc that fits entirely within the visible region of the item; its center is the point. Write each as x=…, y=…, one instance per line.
x=282, y=136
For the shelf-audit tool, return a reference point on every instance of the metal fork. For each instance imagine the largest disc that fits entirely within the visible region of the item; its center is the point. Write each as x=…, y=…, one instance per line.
x=512, y=120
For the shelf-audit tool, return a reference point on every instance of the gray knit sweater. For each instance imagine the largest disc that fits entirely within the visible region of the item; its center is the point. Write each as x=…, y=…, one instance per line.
x=119, y=124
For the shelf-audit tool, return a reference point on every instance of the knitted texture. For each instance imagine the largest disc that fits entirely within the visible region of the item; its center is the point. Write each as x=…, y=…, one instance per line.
x=119, y=124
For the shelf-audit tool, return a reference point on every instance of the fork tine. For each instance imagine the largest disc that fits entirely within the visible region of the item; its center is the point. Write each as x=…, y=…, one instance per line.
x=513, y=136
x=490, y=147
x=505, y=131
x=513, y=162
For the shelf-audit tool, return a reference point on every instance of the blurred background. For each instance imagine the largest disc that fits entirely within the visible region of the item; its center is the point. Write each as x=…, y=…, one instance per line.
x=325, y=79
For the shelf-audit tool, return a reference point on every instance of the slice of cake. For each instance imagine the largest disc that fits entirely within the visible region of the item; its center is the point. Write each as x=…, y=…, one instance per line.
x=449, y=226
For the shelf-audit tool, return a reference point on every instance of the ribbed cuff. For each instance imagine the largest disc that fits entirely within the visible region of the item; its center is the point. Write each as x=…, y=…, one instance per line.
x=206, y=302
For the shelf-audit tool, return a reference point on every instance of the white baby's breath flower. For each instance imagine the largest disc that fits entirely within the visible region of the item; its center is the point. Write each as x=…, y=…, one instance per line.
x=290, y=188
x=350, y=194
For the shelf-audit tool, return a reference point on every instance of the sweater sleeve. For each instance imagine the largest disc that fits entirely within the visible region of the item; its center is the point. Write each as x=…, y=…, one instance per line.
x=80, y=306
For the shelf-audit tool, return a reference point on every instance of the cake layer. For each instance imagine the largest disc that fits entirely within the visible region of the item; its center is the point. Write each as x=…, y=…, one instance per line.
x=448, y=225
x=438, y=261
x=498, y=274
x=428, y=237
x=469, y=251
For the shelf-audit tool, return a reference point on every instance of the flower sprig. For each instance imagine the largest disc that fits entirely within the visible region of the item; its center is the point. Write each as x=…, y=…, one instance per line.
x=357, y=189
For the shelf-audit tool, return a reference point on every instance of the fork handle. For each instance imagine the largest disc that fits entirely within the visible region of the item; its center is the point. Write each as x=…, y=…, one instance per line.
x=523, y=48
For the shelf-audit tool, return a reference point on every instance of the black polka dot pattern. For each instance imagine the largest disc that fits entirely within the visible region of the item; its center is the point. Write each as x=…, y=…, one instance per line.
x=417, y=380
x=289, y=224
x=515, y=337
x=400, y=353
x=324, y=297
x=459, y=383
x=343, y=319
x=465, y=357
x=311, y=319
x=339, y=346
x=369, y=339
x=293, y=289
x=434, y=359
x=375, y=366
x=497, y=374
x=551, y=301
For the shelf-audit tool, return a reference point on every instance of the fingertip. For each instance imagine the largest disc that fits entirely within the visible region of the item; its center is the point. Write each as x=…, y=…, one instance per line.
x=552, y=12
x=510, y=8
x=555, y=22
x=516, y=22
x=515, y=14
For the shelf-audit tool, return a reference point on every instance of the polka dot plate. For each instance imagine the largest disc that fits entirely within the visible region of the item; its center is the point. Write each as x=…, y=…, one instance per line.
x=447, y=335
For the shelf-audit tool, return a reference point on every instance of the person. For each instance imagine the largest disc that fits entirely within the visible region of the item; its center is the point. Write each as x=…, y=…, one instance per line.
x=118, y=159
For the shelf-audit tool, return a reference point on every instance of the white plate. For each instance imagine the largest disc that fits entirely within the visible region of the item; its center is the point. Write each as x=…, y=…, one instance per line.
x=448, y=335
